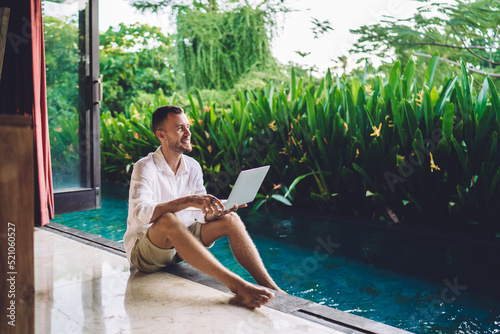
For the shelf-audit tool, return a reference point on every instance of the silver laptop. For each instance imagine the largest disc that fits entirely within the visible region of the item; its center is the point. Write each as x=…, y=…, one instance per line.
x=246, y=187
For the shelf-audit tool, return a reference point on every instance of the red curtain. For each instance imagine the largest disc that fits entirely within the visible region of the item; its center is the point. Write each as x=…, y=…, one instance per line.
x=45, y=192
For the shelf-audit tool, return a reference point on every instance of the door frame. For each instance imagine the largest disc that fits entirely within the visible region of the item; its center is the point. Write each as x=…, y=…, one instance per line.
x=88, y=196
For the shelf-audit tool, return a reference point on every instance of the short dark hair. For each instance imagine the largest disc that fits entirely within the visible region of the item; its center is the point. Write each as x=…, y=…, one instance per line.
x=161, y=114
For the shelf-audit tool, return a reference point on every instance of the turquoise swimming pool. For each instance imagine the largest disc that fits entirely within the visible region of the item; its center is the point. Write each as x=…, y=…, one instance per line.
x=416, y=282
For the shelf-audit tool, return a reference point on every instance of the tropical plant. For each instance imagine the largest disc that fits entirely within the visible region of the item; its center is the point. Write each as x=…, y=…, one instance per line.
x=389, y=148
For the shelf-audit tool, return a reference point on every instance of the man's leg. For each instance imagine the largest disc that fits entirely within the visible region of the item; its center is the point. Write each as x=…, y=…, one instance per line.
x=242, y=246
x=168, y=231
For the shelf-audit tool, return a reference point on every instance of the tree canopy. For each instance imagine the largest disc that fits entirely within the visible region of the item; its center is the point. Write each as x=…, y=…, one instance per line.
x=463, y=30
x=136, y=60
x=218, y=42
x=269, y=6
x=215, y=49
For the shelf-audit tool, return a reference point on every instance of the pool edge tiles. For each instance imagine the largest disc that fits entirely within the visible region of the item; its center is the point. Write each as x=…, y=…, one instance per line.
x=294, y=306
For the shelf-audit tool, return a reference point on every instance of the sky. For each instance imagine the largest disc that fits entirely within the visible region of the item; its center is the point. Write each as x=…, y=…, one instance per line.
x=295, y=28
x=343, y=16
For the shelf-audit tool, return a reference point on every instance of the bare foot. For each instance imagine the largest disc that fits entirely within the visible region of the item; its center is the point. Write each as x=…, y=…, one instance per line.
x=274, y=287
x=271, y=285
x=251, y=296
x=279, y=290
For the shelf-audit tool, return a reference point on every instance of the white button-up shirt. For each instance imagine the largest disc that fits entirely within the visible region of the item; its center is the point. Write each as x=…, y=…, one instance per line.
x=153, y=182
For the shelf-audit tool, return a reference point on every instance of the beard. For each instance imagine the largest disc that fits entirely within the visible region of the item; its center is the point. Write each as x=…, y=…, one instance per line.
x=179, y=147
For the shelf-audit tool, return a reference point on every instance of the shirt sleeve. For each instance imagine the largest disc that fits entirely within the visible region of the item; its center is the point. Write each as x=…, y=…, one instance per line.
x=141, y=200
x=198, y=181
x=199, y=190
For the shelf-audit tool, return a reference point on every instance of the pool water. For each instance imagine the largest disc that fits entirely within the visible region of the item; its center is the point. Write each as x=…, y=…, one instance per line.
x=420, y=283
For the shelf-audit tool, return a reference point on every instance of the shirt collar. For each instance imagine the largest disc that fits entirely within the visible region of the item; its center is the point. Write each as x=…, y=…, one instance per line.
x=162, y=165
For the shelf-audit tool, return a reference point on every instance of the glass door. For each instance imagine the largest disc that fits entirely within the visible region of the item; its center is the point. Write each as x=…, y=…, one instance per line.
x=73, y=99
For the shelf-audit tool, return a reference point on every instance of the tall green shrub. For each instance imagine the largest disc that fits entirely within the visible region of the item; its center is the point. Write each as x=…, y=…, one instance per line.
x=216, y=48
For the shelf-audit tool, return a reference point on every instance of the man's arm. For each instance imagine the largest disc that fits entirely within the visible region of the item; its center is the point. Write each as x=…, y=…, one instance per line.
x=208, y=204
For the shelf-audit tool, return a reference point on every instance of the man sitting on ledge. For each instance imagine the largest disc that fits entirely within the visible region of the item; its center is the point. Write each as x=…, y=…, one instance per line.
x=161, y=232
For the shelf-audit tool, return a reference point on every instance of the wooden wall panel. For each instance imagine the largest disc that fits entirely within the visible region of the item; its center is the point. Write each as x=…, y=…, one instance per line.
x=16, y=225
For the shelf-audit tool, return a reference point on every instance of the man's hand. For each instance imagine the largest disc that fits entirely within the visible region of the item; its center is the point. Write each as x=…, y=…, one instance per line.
x=208, y=204
x=222, y=213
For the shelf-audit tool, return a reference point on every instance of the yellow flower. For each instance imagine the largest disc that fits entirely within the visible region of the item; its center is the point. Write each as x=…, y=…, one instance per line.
x=209, y=148
x=71, y=148
x=127, y=156
x=376, y=131
x=419, y=100
x=368, y=89
x=190, y=120
x=136, y=115
x=273, y=126
x=357, y=154
x=283, y=151
x=433, y=166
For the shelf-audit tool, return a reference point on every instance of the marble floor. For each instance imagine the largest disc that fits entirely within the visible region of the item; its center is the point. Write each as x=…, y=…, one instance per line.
x=83, y=289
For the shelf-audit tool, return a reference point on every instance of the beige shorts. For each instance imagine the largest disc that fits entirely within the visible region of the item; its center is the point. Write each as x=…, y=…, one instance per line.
x=148, y=257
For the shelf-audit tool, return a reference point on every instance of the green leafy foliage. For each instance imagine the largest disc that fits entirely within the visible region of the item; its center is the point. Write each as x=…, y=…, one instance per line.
x=385, y=149
x=135, y=62
x=216, y=48
x=61, y=38
x=414, y=145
